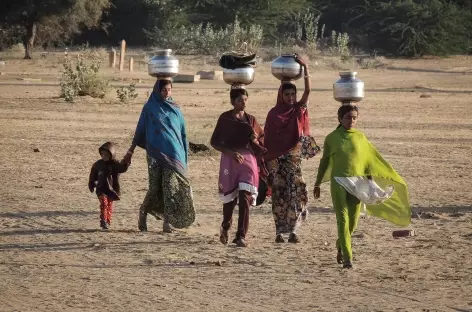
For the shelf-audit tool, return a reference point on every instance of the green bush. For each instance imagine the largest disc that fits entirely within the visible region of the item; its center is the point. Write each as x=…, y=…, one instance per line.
x=339, y=44
x=206, y=39
x=83, y=79
x=125, y=94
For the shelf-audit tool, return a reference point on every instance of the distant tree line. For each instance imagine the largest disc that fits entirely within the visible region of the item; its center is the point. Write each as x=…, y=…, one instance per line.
x=389, y=27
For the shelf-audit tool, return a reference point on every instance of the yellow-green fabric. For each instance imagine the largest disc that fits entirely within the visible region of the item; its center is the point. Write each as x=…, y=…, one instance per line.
x=348, y=209
x=348, y=153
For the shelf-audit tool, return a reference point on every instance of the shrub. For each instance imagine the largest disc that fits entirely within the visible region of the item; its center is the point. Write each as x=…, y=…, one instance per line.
x=207, y=39
x=83, y=79
x=339, y=44
x=417, y=28
x=372, y=62
x=127, y=93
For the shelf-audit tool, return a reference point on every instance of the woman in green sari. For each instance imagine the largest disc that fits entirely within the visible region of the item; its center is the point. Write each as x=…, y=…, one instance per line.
x=349, y=158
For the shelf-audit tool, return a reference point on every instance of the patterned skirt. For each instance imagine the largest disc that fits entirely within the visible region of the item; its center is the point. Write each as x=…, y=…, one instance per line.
x=289, y=193
x=169, y=196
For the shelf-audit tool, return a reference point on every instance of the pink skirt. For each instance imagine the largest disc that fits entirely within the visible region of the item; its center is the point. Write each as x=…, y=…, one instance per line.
x=235, y=177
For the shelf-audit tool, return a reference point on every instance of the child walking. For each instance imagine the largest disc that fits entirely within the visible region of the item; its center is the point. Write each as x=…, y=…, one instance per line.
x=104, y=178
x=350, y=162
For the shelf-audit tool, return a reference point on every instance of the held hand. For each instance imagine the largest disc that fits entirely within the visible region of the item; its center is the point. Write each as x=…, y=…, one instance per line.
x=316, y=192
x=127, y=158
x=254, y=137
x=238, y=157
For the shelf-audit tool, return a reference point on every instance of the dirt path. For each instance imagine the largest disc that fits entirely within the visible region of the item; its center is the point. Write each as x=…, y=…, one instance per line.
x=53, y=257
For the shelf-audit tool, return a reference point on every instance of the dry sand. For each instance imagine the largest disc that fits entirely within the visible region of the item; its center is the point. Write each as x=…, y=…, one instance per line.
x=54, y=257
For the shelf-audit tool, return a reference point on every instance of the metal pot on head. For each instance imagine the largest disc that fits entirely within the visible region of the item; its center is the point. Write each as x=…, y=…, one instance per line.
x=239, y=76
x=163, y=65
x=348, y=88
x=286, y=68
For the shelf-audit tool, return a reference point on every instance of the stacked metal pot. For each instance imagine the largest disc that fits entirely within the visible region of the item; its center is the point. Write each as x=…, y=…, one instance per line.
x=238, y=70
x=238, y=78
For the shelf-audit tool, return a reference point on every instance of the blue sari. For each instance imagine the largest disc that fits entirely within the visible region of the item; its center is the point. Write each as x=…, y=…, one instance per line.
x=161, y=132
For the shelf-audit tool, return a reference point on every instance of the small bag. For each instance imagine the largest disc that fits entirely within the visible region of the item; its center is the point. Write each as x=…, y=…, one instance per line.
x=262, y=192
x=264, y=189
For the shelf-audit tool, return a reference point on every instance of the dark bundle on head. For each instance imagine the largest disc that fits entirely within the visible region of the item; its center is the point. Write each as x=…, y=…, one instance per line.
x=343, y=110
x=235, y=93
x=160, y=84
x=288, y=86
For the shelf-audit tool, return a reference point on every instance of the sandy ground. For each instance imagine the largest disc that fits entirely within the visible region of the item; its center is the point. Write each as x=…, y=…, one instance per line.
x=54, y=257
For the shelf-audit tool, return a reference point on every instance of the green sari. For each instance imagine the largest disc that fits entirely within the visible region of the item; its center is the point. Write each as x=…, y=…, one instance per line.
x=348, y=153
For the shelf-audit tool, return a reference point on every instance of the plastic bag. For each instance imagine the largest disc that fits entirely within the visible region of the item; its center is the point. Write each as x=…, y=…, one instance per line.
x=367, y=191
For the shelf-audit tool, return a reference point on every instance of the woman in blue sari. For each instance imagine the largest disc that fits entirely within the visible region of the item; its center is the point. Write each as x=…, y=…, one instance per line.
x=161, y=132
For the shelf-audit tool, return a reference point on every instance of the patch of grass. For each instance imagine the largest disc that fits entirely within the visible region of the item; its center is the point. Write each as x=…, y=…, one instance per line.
x=372, y=62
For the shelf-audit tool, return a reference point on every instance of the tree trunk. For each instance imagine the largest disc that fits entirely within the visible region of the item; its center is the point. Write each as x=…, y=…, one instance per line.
x=28, y=40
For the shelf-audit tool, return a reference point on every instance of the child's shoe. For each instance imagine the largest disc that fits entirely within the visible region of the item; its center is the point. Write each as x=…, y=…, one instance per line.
x=104, y=225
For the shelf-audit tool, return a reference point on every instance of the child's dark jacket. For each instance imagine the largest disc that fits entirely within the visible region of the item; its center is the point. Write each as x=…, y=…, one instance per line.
x=104, y=176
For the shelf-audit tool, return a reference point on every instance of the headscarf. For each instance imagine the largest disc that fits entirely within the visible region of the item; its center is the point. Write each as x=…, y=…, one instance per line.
x=284, y=126
x=159, y=85
x=161, y=131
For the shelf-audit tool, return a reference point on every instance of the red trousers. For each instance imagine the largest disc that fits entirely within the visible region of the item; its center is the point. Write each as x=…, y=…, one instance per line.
x=106, y=208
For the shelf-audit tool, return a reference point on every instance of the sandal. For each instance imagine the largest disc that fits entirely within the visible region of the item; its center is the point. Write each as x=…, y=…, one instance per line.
x=241, y=242
x=279, y=239
x=223, y=236
x=293, y=238
x=305, y=215
x=103, y=225
x=142, y=221
x=166, y=228
x=347, y=265
x=339, y=256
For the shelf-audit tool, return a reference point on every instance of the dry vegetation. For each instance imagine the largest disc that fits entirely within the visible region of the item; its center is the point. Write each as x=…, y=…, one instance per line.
x=53, y=257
